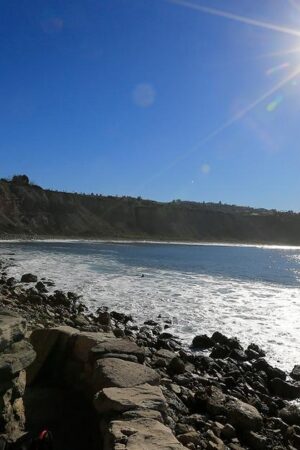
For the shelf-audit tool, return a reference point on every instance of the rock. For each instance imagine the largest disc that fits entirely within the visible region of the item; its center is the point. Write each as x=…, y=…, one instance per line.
x=176, y=366
x=116, y=345
x=44, y=341
x=165, y=354
x=41, y=287
x=285, y=389
x=215, y=402
x=290, y=414
x=12, y=329
x=28, y=278
x=243, y=416
x=114, y=400
x=140, y=434
x=112, y=372
x=104, y=318
x=228, y=431
x=257, y=441
x=272, y=372
x=231, y=343
x=118, y=333
x=220, y=351
x=18, y=357
x=123, y=356
x=295, y=373
x=81, y=321
x=256, y=349
x=238, y=355
x=142, y=414
x=214, y=443
x=202, y=341
x=191, y=437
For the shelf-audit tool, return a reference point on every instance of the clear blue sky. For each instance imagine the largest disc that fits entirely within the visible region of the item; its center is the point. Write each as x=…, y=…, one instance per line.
x=153, y=98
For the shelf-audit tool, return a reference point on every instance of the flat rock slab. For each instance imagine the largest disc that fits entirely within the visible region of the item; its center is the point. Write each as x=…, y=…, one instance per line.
x=19, y=356
x=113, y=372
x=111, y=400
x=12, y=329
x=121, y=346
x=140, y=434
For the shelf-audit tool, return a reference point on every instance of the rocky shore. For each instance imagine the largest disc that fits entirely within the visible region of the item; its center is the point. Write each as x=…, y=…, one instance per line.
x=141, y=388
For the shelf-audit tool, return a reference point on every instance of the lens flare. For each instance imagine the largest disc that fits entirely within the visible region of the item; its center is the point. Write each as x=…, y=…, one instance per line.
x=236, y=17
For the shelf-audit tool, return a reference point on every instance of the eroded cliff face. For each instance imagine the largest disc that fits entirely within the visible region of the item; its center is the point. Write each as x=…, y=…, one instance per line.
x=30, y=210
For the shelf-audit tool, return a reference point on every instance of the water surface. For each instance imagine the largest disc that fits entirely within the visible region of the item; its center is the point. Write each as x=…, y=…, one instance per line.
x=249, y=292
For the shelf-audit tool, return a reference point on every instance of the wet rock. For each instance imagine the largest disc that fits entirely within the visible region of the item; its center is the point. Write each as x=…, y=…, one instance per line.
x=220, y=351
x=103, y=317
x=41, y=287
x=256, y=349
x=202, y=342
x=285, y=389
x=112, y=372
x=231, y=343
x=28, y=278
x=238, y=355
x=295, y=373
x=272, y=372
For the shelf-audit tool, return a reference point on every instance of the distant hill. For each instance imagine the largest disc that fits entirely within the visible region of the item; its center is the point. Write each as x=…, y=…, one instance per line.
x=26, y=209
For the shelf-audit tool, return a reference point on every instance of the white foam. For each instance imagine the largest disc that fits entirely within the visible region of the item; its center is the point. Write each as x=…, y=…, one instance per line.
x=265, y=313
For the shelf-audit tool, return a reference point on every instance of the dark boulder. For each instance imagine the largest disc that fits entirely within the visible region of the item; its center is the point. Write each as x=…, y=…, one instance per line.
x=41, y=287
x=176, y=366
x=29, y=278
x=285, y=389
x=290, y=414
x=272, y=372
x=295, y=373
x=202, y=341
x=220, y=351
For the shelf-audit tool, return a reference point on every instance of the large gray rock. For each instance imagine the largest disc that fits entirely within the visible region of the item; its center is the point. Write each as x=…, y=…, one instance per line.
x=119, y=346
x=111, y=400
x=113, y=372
x=140, y=434
x=12, y=329
x=243, y=416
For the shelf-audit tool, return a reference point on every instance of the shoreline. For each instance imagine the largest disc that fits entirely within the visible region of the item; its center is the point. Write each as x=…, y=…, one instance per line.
x=202, y=384
x=28, y=240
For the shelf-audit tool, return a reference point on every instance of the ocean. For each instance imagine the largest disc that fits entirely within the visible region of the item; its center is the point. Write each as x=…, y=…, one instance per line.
x=252, y=292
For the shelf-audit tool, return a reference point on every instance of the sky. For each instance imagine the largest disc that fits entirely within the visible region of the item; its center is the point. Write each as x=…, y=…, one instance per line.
x=165, y=99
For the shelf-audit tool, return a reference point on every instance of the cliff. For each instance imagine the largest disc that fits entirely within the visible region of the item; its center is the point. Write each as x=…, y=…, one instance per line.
x=27, y=209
